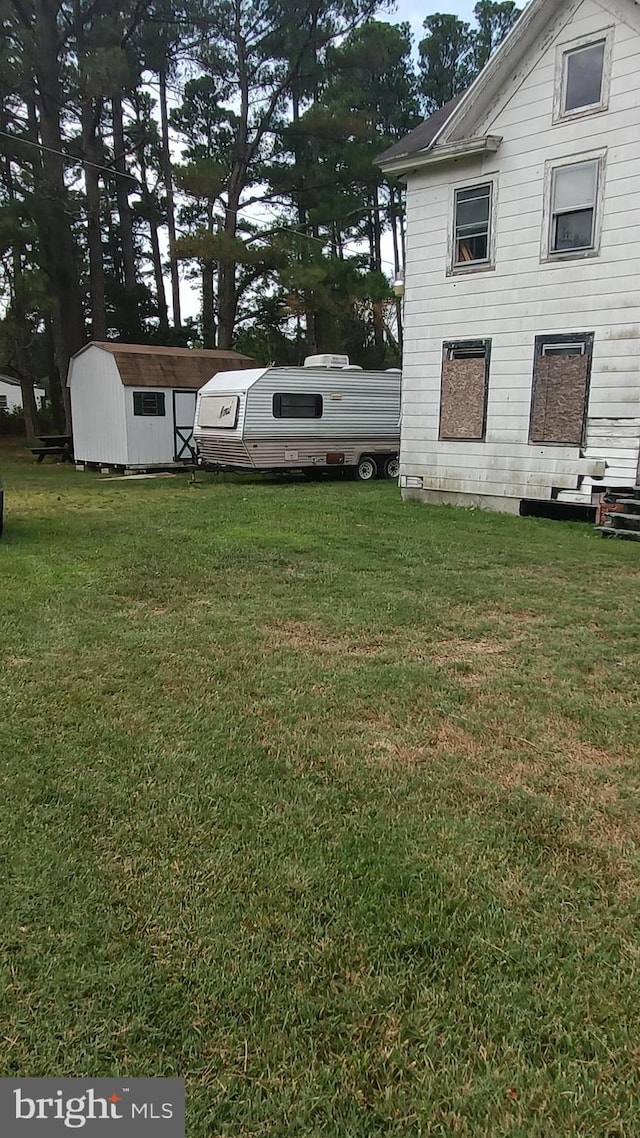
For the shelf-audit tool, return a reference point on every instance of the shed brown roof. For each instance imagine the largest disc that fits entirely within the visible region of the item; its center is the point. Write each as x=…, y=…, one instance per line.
x=150, y=365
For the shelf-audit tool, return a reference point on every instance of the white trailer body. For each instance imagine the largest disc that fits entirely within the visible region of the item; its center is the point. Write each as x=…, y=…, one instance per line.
x=300, y=418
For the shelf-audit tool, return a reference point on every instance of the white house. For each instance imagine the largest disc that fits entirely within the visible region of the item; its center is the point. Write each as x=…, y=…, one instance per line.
x=11, y=394
x=132, y=405
x=521, y=370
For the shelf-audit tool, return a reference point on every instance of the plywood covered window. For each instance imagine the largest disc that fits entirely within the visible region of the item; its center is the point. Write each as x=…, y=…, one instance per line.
x=472, y=226
x=464, y=389
x=148, y=403
x=561, y=374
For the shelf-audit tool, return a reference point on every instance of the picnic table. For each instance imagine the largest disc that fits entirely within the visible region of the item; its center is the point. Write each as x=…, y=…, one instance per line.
x=61, y=445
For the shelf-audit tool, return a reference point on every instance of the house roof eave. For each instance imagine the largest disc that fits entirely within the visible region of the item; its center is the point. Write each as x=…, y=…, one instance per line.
x=438, y=155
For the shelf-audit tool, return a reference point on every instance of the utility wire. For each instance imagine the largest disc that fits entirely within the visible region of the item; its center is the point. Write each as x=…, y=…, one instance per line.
x=68, y=157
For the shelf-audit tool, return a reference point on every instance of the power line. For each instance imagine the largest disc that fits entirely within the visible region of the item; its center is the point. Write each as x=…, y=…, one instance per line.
x=69, y=157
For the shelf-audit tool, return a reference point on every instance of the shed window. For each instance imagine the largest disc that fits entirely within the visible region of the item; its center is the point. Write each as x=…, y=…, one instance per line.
x=561, y=372
x=574, y=191
x=464, y=389
x=148, y=403
x=296, y=405
x=582, y=79
x=4, y=402
x=472, y=225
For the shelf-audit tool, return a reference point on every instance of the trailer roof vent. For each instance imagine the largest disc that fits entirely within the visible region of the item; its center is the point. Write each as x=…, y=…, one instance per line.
x=326, y=360
x=352, y=367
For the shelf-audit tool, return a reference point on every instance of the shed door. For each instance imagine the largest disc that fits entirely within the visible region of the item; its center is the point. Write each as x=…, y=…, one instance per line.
x=184, y=411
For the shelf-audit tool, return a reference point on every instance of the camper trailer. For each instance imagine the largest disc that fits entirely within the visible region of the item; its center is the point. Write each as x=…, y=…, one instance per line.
x=326, y=414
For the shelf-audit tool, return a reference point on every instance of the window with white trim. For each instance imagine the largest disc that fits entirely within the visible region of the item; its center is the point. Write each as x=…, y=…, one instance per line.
x=472, y=226
x=574, y=196
x=583, y=78
x=4, y=402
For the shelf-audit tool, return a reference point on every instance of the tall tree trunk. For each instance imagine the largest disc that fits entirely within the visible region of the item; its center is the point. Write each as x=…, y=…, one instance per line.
x=227, y=291
x=18, y=311
x=377, y=232
x=55, y=385
x=397, y=265
x=90, y=109
x=208, y=309
x=168, y=183
x=94, y=226
x=54, y=228
x=208, y=319
x=125, y=213
x=375, y=262
x=156, y=258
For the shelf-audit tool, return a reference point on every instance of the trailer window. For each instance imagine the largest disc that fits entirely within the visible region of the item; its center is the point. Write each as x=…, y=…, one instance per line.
x=218, y=411
x=296, y=405
x=148, y=403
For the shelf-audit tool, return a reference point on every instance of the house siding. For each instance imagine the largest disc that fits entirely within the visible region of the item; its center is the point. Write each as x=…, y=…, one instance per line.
x=524, y=297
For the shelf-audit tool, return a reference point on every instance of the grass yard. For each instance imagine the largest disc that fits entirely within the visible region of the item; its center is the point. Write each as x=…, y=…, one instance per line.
x=327, y=803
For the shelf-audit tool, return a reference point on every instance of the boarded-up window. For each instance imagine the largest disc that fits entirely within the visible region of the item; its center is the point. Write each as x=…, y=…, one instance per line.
x=561, y=373
x=464, y=388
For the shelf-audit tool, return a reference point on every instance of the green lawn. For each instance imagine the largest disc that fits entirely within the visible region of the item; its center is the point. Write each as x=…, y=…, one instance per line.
x=328, y=803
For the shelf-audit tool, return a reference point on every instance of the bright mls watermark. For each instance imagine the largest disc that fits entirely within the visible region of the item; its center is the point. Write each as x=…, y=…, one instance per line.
x=112, y=1108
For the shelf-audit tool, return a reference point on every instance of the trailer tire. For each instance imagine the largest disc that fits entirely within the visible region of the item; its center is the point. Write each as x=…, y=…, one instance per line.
x=392, y=467
x=367, y=468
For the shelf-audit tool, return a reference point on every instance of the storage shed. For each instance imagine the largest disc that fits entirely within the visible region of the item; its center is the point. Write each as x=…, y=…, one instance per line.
x=11, y=394
x=133, y=405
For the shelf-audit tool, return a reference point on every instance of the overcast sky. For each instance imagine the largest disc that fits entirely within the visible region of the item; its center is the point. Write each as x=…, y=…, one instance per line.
x=416, y=13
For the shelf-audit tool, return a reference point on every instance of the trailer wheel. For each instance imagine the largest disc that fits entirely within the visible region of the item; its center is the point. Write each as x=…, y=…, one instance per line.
x=392, y=467
x=366, y=469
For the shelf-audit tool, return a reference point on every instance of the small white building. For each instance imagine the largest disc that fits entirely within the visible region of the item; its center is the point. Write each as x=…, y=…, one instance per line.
x=133, y=405
x=11, y=394
x=521, y=369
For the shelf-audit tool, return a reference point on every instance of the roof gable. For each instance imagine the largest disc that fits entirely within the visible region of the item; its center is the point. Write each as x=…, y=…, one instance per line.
x=539, y=24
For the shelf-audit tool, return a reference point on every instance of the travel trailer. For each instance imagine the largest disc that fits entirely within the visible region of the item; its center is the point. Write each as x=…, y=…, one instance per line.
x=326, y=414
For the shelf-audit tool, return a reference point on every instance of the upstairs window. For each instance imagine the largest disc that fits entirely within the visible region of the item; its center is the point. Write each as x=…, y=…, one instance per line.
x=472, y=226
x=583, y=78
x=574, y=193
x=297, y=405
x=148, y=403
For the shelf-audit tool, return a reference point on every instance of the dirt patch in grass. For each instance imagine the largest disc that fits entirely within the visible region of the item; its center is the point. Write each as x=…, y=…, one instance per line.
x=300, y=636
x=407, y=644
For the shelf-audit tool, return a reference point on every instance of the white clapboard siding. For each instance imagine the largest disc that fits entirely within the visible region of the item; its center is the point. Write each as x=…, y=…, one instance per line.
x=522, y=296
